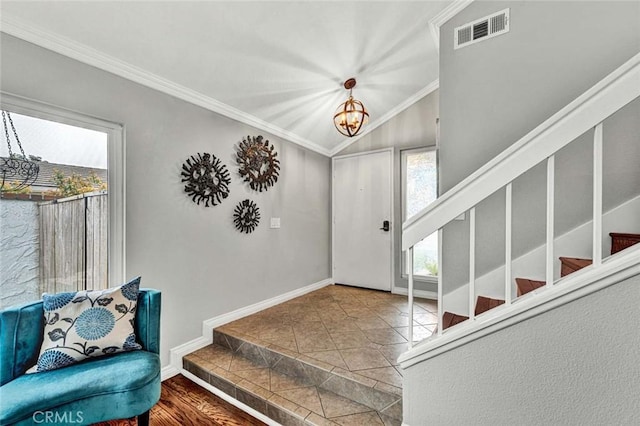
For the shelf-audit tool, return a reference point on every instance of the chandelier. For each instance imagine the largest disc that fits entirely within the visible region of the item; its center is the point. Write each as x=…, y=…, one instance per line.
x=350, y=115
x=17, y=171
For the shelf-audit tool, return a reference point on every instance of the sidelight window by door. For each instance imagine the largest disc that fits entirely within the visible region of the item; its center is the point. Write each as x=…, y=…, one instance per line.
x=419, y=189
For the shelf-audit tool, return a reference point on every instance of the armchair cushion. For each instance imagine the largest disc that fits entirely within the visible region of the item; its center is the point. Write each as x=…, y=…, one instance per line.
x=84, y=324
x=86, y=390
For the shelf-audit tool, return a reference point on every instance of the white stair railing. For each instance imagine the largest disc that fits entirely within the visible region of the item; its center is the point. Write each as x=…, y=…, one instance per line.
x=586, y=112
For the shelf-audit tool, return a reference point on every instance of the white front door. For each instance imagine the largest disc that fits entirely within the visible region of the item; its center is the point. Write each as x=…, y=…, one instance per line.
x=362, y=251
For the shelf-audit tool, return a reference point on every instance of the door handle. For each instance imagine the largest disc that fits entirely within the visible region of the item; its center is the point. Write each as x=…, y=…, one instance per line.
x=385, y=226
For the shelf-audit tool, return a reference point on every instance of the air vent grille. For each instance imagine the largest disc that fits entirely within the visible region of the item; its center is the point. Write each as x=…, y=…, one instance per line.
x=481, y=29
x=464, y=35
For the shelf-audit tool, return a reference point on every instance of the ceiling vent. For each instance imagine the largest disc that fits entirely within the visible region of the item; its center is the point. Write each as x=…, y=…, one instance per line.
x=481, y=29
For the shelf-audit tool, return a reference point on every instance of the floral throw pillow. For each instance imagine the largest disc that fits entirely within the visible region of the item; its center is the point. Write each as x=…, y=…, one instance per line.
x=87, y=324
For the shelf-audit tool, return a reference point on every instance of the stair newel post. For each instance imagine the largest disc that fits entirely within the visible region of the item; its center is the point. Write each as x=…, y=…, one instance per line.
x=550, y=218
x=507, y=244
x=597, y=195
x=472, y=262
x=410, y=293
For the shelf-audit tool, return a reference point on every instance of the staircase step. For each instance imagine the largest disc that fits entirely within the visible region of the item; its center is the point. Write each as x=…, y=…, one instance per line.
x=620, y=241
x=338, y=339
x=449, y=319
x=293, y=391
x=573, y=264
x=525, y=285
x=483, y=304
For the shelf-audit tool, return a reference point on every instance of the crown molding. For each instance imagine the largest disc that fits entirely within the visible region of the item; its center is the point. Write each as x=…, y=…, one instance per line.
x=85, y=54
x=429, y=88
x=445, y=14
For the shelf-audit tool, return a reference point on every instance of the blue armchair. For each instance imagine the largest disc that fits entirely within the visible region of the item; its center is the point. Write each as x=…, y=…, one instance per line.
x=117, y=386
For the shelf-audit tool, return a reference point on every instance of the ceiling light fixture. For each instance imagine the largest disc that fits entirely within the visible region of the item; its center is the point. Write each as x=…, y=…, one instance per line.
x=17, y=171
x=350, y=115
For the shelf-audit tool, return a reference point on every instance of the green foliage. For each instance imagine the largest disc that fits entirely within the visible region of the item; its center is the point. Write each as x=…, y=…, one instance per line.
x=75, y=184
x=12, y=188
x=432, y=267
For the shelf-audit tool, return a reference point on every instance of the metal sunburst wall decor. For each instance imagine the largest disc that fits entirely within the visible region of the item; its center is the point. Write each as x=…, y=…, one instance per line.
x=258, y=163
x=207, y=179
x=246, y=216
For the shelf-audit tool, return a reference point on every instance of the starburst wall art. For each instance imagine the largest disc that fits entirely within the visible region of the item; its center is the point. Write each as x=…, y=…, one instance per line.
x=207, y=179
x=257, y=163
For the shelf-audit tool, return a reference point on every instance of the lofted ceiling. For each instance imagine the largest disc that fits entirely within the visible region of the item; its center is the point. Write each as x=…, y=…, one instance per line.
x=276, y=65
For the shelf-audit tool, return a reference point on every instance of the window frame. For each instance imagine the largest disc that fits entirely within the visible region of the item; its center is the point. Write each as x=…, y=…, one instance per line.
x=116, y=169
x=403, y=209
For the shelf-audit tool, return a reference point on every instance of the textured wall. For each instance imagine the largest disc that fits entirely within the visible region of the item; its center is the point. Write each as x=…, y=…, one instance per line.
x=574, y=365
x=19, y=252
x=194, y=255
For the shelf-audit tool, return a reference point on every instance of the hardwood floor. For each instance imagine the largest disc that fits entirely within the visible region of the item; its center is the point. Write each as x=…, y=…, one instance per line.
x=182, y=402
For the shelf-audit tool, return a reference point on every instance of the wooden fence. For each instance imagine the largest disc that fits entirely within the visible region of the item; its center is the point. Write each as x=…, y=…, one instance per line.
x=73, y=243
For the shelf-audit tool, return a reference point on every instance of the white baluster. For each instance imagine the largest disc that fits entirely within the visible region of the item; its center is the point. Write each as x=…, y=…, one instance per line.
x=507, y=244
x=472, y=262
x=410, y=291
x=550, y=218
x=597, y=195
x=440, y=294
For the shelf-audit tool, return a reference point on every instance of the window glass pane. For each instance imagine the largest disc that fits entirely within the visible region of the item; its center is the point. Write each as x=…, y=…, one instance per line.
x=425, y=256
x=54, y=231
x=422, y=182
x=421, y=189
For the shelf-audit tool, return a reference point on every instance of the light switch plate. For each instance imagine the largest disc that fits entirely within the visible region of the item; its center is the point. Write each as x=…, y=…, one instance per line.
x=275, y=222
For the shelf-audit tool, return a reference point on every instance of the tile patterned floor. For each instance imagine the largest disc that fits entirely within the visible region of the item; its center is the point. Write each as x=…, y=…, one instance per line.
x=357, y=330
x=254, y=383
x=326, y=358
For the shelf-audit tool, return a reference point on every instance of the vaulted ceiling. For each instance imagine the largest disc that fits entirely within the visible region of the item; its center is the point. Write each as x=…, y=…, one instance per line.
x=277, y=65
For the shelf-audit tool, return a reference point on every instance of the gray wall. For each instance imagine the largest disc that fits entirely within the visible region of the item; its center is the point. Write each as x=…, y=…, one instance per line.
x=20, y=251
x=413, y=128
x=574, y=365
x=193, y=254
x=494, y=92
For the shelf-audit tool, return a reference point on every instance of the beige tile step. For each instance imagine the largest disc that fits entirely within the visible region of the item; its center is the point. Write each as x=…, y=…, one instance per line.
x=379, y=388
x=298, y=399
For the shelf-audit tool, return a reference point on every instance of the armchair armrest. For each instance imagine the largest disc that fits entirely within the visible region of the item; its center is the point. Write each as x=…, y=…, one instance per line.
x=20, y=339
x=147, y=324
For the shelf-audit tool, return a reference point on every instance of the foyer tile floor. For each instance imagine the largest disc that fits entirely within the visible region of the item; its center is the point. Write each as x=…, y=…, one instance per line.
x=352, y=329
x=326, y=358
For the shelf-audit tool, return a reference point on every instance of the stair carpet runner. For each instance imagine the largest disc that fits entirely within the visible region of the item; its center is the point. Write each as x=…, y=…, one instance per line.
x=326, y=358
x=619, y=242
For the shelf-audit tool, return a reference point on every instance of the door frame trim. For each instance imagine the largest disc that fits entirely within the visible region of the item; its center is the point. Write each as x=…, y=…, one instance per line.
x=391, y=210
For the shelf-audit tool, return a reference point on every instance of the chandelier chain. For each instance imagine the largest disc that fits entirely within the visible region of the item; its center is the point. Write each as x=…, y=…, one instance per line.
x=6, y=115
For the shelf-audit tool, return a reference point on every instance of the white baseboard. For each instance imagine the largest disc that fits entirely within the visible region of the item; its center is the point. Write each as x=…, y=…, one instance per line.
x=231, y=400
x=168, y=372
x=178, y=352
x=416, y=293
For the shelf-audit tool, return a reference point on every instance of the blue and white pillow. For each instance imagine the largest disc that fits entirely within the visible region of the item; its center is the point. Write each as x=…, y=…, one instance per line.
x=87, y=324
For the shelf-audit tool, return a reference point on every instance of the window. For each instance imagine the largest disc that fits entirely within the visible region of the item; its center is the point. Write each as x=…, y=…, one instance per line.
x=419, y=189
x=65, y=231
